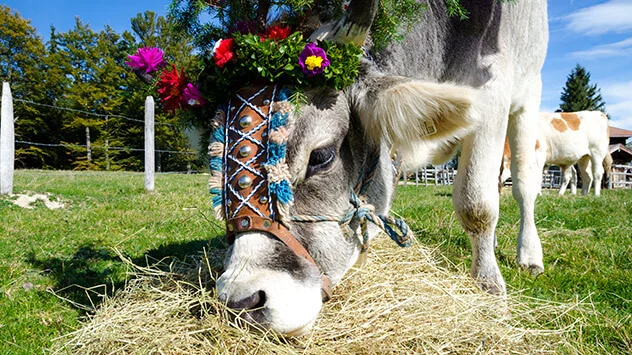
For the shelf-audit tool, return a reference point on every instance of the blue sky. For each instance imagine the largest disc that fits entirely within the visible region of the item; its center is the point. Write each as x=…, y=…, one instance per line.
x=595, y=34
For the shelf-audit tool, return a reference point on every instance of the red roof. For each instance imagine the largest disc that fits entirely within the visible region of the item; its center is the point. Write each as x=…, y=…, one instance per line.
x=620, y=132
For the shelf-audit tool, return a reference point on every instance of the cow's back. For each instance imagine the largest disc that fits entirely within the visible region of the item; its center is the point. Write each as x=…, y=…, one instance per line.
x=498, y=41
x=568, y=136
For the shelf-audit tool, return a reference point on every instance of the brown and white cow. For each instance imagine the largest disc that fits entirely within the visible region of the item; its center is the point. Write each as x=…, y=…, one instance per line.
x=568, y=138
x=473, y=80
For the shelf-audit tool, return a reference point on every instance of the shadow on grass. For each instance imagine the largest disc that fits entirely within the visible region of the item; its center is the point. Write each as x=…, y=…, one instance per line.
x=93, y=272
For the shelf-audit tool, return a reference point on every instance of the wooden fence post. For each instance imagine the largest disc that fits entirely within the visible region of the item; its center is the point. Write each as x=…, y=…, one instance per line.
x=150, y=164
x=7, y=142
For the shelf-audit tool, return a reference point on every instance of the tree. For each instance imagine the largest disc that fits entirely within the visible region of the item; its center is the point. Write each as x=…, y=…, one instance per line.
x=579, y=95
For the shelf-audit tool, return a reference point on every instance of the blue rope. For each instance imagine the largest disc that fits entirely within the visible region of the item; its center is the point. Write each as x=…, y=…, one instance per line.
x=395, y=228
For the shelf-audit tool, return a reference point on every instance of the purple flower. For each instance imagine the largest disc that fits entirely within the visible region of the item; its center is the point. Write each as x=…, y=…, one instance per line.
x=313, y=60
x=192, y=96
x=148, y=59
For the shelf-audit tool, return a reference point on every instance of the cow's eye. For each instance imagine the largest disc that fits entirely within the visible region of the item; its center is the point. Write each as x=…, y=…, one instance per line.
x=320, y=159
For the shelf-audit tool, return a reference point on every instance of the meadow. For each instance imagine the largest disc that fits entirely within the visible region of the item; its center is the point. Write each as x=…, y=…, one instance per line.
x=57, y=266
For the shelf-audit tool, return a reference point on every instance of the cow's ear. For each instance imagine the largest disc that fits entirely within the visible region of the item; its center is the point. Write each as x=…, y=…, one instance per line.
x=405, y=112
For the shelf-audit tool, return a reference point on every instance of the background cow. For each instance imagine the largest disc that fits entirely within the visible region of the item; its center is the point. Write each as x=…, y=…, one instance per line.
x=473, y=80
x=569, y=138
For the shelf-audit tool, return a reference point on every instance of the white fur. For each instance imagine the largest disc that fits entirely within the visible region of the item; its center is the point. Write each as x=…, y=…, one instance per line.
x=412, y=113
x=291, y=306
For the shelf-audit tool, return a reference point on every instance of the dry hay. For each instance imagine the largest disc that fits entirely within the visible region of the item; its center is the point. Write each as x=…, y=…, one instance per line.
x=399, y=302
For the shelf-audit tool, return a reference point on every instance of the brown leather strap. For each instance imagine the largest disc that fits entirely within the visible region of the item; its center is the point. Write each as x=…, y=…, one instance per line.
x=255, y=223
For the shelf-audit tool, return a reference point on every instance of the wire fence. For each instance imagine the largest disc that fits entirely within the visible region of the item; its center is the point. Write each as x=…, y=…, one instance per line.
x=93, y=146
x=153, y=158
x=94, y=114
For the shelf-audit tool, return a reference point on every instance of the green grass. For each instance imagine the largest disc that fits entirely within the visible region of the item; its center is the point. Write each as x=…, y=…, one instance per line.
x=587, y=253
x=69, y=253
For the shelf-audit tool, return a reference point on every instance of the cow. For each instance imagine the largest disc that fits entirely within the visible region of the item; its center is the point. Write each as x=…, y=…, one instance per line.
x=569, y=138
x=448, y=80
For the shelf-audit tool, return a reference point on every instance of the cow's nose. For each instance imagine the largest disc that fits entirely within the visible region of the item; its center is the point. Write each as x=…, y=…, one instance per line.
x=256, y=300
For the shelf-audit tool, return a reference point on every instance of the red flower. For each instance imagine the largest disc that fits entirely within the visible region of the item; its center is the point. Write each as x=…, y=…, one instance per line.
x=276, y=33
x=223, y=52
x=171, y=88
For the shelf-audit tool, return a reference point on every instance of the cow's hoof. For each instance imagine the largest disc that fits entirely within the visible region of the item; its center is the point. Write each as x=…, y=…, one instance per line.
x=492, y=285
x=535, y=270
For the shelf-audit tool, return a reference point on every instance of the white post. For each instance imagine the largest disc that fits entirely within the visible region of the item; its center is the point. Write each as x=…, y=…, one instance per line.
x=88, y=148
x=150, y=165
x=7, y=142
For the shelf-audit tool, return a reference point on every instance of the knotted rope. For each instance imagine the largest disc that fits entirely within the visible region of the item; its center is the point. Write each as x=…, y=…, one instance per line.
x=362, y=213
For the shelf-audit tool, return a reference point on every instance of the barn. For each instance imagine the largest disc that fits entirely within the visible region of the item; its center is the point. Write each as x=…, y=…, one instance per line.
x=621, y=157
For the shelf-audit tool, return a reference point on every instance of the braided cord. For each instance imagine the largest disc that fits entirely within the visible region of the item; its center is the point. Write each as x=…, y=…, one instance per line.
x=361, y=212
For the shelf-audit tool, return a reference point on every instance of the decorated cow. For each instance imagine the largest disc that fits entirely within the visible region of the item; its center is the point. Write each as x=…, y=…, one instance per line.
x=301, y=148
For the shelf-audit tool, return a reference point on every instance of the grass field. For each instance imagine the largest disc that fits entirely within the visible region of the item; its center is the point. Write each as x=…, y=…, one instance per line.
x=56, y=265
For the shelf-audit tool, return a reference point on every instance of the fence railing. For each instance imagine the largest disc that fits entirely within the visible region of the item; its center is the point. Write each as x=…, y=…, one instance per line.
x=621, y=176
x=430, y=176
x=551, y=179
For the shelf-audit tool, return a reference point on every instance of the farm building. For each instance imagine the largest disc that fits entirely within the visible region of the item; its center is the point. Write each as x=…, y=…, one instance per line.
x=621, y=154
x=621, y=157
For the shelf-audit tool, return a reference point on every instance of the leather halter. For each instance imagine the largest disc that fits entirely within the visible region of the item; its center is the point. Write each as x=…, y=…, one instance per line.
x=250, y=206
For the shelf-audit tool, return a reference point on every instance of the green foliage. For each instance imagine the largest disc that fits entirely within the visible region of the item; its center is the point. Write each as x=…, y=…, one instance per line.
x=579, y=95
x=393, y=19
x=58, y=264
x=277, y=62
x=84, y=70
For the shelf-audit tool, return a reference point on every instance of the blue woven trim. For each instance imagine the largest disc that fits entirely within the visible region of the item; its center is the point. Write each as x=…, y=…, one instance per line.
x=278, y=120
x=276, y=152
x=284, y=94
x=282, y=191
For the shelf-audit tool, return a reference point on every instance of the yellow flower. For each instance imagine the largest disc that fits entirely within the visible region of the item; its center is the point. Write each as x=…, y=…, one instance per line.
x=313, y=61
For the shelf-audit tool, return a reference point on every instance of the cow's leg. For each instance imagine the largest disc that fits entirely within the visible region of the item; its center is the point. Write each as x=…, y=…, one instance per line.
x=566, y=178
x=528, y=178
x=476, y=197
x=597, y=171
x=573, y=180
x=585, y=170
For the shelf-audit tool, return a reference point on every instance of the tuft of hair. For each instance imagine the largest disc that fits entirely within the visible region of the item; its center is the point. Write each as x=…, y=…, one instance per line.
x=413, y=111
x=400, y=302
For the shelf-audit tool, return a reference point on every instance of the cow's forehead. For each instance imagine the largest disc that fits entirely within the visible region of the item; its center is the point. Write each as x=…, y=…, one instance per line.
x=322, y=121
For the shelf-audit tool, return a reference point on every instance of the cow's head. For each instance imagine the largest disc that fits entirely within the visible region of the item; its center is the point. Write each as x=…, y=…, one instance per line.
x=288, y=174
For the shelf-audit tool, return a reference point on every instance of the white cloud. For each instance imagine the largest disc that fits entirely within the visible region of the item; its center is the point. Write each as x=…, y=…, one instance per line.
x=616, y=49
x=618, y=98
x=610, y=16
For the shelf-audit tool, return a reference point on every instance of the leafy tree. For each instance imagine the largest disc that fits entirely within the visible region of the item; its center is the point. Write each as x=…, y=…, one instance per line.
x=21, y=64
x=578, y=94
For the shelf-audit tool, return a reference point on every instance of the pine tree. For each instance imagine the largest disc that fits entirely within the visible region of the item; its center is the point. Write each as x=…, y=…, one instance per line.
x=579, y=94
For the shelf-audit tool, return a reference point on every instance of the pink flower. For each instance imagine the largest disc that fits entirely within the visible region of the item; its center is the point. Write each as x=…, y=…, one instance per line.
x=149, y=59
x=192, y=96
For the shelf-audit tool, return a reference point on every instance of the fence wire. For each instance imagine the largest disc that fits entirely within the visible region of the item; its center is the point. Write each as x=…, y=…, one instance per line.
x=101, y=115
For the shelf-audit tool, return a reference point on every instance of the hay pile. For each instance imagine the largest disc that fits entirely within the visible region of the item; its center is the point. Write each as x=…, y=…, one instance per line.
x=401, y=301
